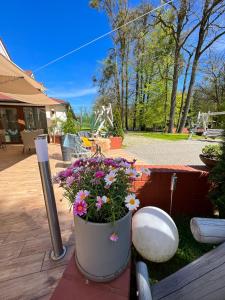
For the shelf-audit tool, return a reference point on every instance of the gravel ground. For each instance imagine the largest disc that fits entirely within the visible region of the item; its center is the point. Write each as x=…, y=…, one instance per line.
x=160, y=152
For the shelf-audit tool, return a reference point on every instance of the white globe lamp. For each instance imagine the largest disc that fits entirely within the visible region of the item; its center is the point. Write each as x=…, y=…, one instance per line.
x=154, y=234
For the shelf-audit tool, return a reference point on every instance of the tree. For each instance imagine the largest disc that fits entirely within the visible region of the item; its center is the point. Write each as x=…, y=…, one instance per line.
x=177, y=27
x=118, y=14
x=70, y=125
x=117, y=129
x=209, y=94
x=211, y=19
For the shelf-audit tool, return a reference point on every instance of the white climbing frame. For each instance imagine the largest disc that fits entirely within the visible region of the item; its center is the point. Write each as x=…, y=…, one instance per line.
x=203, y=118
x=103, y=116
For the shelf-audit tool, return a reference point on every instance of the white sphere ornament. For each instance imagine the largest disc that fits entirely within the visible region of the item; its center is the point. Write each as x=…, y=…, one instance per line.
x=154, y=234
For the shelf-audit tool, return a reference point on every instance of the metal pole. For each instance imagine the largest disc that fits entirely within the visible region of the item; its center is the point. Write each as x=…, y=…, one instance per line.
x=172, y=189
x=41, y=145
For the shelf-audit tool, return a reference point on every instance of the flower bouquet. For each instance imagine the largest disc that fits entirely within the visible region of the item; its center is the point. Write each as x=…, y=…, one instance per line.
x=100, y=193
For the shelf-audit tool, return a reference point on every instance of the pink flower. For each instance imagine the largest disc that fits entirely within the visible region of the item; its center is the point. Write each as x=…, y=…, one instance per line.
x=99, y=202
x=70, y=180
x=99, y=174
x=114, y=237
x=82, y=195
x=79, y=208
x=68, y=172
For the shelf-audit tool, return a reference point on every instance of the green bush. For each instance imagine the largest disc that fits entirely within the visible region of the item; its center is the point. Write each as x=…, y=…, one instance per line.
x=217, y=178
x=117, y=129
x=212, y=151
x=70, y=125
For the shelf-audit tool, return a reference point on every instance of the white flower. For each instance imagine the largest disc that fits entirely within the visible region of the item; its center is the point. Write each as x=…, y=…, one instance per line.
x=131, y=202
x=146, y=171
x=131, y=172
x=105, y=199
x=110, y=178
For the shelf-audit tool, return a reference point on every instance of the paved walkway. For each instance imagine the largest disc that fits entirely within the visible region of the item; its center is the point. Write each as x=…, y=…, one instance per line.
x=161, y=152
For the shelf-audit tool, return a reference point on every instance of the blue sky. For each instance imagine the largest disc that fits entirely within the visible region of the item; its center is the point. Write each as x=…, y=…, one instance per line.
x=36, y=32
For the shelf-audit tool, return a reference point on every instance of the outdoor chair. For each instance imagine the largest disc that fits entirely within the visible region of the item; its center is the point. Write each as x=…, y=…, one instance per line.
x=73, y=142
x=2, y=139
x=28, y=139
x=86, y=134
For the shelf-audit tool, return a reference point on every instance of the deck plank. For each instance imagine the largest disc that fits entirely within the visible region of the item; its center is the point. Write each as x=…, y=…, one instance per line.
x=38, y=285
x=200, y=279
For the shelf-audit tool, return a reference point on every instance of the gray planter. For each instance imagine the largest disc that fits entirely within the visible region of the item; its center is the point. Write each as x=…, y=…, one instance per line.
x=66, y=152
x=97, y=257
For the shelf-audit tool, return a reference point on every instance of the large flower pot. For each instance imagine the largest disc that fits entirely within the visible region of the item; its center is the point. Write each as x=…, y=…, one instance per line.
x=116, y=142
x=66, y=152
x=97, y=257
x=209, y=162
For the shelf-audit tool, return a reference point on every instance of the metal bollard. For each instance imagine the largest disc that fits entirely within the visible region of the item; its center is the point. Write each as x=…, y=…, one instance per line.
x=41, y=145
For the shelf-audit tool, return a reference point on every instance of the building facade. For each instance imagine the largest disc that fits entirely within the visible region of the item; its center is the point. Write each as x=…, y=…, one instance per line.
x=18, y=114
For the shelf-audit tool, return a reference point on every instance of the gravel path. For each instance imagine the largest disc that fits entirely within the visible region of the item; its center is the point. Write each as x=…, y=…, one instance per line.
x=160, y=152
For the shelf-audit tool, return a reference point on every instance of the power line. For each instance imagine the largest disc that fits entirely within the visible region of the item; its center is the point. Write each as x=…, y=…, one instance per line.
x=98, y=38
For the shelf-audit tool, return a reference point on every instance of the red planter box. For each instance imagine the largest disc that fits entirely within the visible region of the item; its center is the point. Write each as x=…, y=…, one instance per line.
x=185, y=130
x=55, y=139
x=190, y=196
x=116, y=142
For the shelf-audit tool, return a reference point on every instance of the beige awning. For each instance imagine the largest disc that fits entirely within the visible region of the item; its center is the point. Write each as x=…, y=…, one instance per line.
x=38, y=99
x=17, y=85
x=10, y=72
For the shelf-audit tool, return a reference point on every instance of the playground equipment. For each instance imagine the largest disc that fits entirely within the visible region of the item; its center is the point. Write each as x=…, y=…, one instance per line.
x=203, y=121
x=103, y=116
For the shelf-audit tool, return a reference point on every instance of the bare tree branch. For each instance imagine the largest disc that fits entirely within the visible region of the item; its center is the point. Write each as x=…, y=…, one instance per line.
x=212, y=41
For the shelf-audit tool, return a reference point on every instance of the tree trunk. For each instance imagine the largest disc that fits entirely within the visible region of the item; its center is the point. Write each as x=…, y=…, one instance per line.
x=122, y=89
x=136, y=97
x=189, y=95
x=116, y=78
x=166, y=97
x=183, y=92
x=174, y=89
x=126, y=88
x=141, y=119
x=201, y=35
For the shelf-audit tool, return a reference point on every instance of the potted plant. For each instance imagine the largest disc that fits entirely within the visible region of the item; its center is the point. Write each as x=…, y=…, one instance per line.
x=210, y=155
x=116, y=134
x=217, y=179
x=100, y=192
x=70, y=125
x=55, y=130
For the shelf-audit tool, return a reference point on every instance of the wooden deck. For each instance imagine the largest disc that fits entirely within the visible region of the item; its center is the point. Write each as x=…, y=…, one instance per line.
x=201, y=279
x=25, y=269
x=26, y=272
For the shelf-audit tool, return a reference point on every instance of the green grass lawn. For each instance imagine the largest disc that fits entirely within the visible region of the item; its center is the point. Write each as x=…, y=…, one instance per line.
x=188, y=251
x=165, y=136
